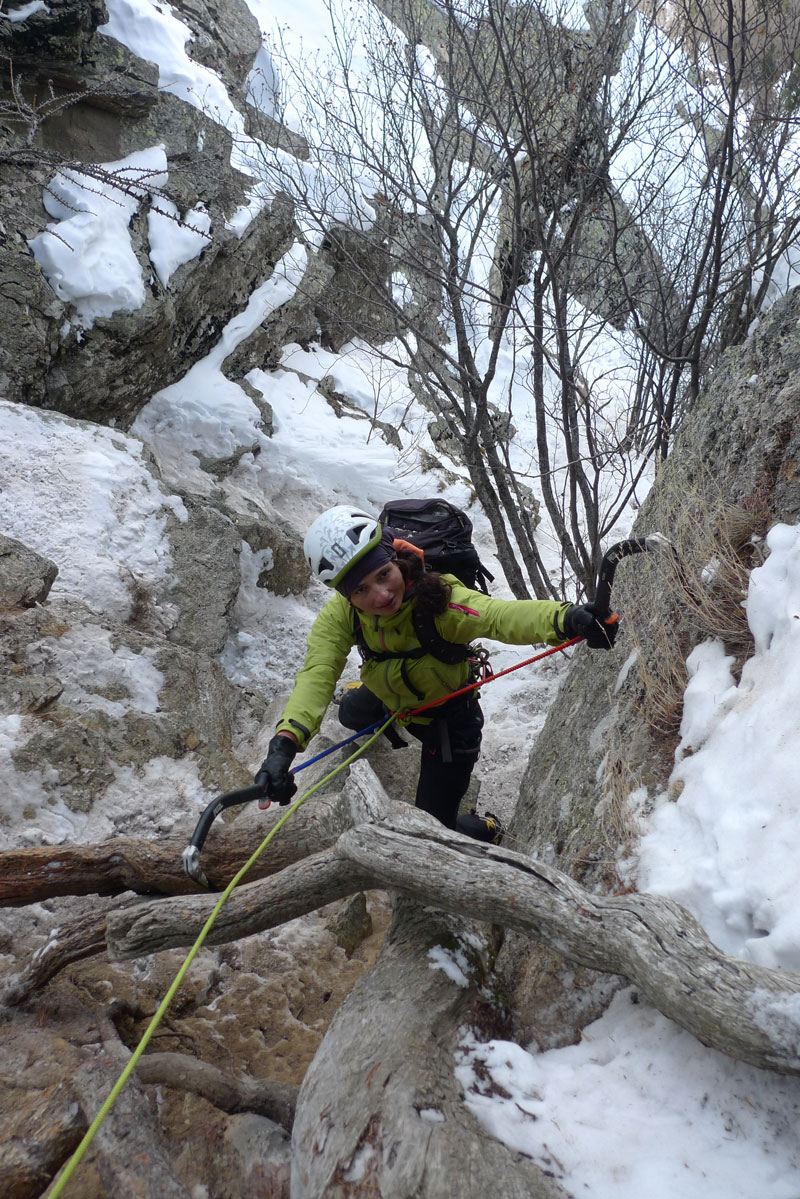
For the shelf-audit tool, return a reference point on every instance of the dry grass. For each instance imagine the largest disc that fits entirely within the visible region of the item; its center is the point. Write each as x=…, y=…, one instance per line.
x=697, y=593
x=670, y=604
x=618, y=822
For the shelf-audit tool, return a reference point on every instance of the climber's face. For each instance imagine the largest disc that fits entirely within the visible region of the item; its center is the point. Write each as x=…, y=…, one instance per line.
x=381, y=592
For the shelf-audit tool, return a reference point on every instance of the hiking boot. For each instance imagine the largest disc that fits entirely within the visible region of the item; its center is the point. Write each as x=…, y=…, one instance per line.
x=494, y=826
x=487, y=828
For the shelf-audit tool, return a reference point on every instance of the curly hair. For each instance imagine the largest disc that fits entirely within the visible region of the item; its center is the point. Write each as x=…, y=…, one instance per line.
x=427, y=587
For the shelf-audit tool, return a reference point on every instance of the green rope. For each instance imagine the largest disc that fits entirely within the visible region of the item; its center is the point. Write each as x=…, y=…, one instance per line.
x=89, y=1136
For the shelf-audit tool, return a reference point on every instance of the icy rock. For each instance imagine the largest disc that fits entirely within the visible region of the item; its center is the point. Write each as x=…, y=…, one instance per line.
x=25, y=576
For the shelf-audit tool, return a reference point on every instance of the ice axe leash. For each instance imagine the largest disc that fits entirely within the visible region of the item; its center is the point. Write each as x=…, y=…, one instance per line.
x=89, y=1135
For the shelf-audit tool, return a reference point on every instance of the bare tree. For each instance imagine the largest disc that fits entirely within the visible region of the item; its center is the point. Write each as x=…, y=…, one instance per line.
x=520, y=202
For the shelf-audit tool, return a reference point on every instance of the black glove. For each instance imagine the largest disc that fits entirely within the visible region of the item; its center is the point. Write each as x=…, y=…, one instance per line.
x=582, y=620
x=274, y=775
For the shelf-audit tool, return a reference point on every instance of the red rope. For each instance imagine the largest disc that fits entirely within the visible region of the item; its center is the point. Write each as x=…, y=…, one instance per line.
x=556, y=649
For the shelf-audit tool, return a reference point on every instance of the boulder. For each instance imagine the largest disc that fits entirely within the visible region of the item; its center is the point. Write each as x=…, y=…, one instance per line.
x=205, y=551
x=25, y=576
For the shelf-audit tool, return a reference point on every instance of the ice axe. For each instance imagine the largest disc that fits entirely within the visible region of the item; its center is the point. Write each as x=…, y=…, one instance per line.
x=654, y=543
x=231, y=799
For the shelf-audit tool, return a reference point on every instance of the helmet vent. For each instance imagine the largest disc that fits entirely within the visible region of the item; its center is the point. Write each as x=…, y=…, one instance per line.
x=355, y=533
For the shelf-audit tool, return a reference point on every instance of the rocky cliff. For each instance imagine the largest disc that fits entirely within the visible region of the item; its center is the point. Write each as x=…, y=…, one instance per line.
x=118, y=715
x=606, y=749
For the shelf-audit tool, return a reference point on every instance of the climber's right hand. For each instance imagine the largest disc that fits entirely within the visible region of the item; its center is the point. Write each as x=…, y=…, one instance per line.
x=274, y=774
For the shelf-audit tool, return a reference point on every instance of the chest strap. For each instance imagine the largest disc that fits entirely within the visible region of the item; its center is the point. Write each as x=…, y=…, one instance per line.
x=430, y=640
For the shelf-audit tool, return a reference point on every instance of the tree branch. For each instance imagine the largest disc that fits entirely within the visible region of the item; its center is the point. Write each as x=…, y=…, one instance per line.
x=155, y=867
x=169, y=923
x=741, y=1009
x=231, y=1093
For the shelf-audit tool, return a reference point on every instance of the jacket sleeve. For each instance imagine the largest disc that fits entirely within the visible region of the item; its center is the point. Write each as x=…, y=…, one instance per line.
x=329, y=642
x=471, y=614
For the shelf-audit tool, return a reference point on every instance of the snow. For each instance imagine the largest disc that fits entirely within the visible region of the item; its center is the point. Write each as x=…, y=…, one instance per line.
x=24, y=11
x=175, y=239
x=86, y=253
x=638, y=1107
x=85, y=658
x=205, y=415
x=156, y=34
x=452, y=962
x=715, y=849
x=153, y=32
x=81, y=495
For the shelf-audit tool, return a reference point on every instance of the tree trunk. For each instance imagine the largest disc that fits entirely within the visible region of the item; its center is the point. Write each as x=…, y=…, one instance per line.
x=380, y=1112
x=741, y=1009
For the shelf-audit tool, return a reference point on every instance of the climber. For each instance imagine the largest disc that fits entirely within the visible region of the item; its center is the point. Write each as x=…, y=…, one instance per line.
x=414, y=629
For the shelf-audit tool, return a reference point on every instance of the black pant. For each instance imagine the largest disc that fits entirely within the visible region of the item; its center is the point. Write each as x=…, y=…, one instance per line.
x=451, y=744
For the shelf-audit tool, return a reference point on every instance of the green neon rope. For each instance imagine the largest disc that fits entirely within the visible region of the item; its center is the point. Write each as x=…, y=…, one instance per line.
x=89, y=1136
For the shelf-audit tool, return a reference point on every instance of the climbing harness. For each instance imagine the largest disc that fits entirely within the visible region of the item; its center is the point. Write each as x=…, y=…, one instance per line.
x=431, y=642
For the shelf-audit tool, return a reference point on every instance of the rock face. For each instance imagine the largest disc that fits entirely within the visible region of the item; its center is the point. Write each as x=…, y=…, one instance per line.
x=126, y=722
x=25, y=576
x=613, y=727
x=122, y=722
x=108, y=103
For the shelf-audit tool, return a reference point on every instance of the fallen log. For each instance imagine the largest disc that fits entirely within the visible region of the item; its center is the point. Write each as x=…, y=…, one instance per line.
x=81, y=938
x=744, y=1010
x=155, y=867
x=741, y=1009
x=380, y=1110
x=360, y=799
x=231, y=1093
x=172, y=923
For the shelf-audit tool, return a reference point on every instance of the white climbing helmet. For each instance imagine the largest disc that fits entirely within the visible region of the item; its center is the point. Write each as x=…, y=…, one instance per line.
x=337, y=539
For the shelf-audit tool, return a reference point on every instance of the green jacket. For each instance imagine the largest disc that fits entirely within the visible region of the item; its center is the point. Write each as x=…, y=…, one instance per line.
x=470, y=616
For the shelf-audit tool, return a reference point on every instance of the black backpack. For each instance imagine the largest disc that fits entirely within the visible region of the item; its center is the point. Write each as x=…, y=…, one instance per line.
x=444, y=533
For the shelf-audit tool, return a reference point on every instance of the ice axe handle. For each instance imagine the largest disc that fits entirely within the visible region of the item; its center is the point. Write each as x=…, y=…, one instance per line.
x=611, y=560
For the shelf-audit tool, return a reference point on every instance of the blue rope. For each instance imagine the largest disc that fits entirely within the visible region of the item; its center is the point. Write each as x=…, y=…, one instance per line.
x=339, y=745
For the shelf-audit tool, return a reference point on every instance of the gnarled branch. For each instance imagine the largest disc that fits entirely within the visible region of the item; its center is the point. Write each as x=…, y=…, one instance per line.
x=155, y=867
x=742, y=1009
x=231, y=1093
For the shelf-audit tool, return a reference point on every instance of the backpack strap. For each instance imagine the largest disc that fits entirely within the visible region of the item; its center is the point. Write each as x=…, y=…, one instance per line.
x=435, y=644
